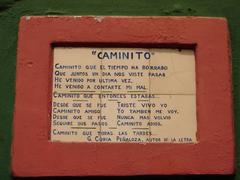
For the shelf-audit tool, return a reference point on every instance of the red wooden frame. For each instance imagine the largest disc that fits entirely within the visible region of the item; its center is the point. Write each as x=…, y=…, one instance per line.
x=33, y=154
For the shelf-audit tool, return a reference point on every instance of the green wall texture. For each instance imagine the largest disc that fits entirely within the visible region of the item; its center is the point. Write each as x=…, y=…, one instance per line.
x=12, y=10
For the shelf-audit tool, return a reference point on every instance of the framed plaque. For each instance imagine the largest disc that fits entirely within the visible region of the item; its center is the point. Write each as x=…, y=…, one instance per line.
x=123, y=96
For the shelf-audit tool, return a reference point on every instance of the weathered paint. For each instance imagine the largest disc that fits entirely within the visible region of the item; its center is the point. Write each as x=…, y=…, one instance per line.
x=34, y=155
x=11, y=12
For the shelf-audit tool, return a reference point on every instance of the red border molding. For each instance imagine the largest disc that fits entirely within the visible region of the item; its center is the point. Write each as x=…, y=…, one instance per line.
x=34, y=155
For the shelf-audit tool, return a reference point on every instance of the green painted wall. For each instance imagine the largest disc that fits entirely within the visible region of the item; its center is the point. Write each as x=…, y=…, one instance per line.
x=12, y=10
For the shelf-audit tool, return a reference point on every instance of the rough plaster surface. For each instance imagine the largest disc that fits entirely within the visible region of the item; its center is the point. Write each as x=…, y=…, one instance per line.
x=34, y=155
x=11, y=11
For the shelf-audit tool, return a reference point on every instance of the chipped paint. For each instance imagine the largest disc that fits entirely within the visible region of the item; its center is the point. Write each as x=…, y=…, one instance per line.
x=99, y=18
